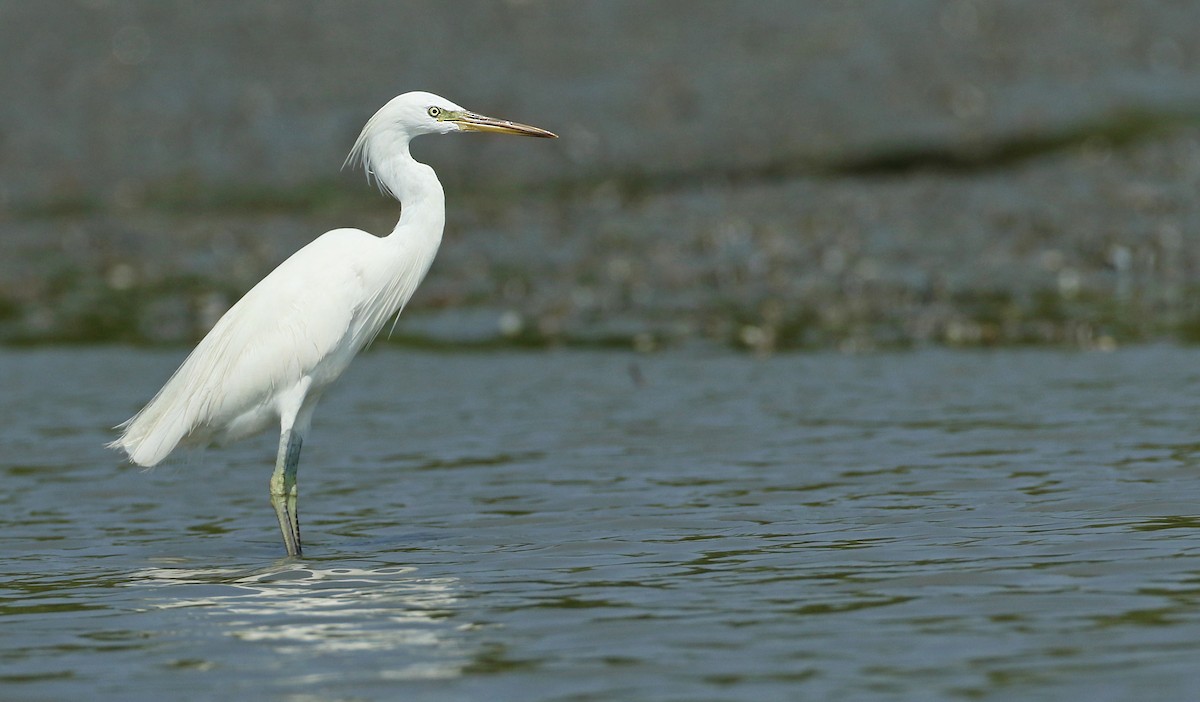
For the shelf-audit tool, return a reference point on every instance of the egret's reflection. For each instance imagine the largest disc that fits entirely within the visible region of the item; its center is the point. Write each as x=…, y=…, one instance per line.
x=307, y=610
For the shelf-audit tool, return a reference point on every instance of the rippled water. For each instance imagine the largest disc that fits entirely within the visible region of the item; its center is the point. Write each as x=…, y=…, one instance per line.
x=585, y=526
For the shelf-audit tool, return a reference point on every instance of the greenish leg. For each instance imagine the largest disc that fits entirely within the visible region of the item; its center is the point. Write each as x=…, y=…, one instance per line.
x=283, y=490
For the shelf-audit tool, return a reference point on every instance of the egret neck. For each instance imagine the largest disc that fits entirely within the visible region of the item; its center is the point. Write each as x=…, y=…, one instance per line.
x=416, y=186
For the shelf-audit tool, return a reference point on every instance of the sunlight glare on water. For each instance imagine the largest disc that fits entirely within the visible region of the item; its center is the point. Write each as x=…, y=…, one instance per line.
x=574, y=526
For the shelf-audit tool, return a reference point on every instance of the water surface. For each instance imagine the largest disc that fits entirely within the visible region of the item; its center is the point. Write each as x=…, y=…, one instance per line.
x=603, y=526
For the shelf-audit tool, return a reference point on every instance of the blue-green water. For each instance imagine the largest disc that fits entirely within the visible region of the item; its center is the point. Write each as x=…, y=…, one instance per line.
x=601, y=526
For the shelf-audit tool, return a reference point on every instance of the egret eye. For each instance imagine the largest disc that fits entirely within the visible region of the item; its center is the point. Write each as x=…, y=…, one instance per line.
x=435, y=112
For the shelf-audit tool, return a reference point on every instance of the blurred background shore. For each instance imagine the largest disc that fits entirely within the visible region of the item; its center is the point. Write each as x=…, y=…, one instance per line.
x=763, y=175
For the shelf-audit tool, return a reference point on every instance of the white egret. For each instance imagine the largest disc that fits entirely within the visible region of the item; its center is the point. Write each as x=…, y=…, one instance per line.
x=269, y=358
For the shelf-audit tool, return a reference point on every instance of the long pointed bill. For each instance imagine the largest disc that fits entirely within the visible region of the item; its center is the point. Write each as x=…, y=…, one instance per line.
x=471, y=122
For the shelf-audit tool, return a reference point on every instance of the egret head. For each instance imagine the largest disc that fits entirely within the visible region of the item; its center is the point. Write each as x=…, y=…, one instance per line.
x=412, y=114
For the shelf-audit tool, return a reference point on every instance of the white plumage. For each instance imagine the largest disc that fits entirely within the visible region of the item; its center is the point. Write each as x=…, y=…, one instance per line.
x=269, y=358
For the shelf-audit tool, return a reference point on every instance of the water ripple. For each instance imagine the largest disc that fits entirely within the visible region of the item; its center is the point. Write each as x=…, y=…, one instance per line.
x=931, y=525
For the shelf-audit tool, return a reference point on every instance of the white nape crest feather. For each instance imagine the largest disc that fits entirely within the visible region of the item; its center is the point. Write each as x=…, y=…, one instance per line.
x=273, y=353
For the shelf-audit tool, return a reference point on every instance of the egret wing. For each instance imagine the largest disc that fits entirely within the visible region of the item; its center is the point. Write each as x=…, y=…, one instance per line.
x=296, y=321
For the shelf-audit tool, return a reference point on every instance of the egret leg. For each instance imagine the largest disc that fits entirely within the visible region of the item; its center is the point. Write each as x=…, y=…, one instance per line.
x=283, y=490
